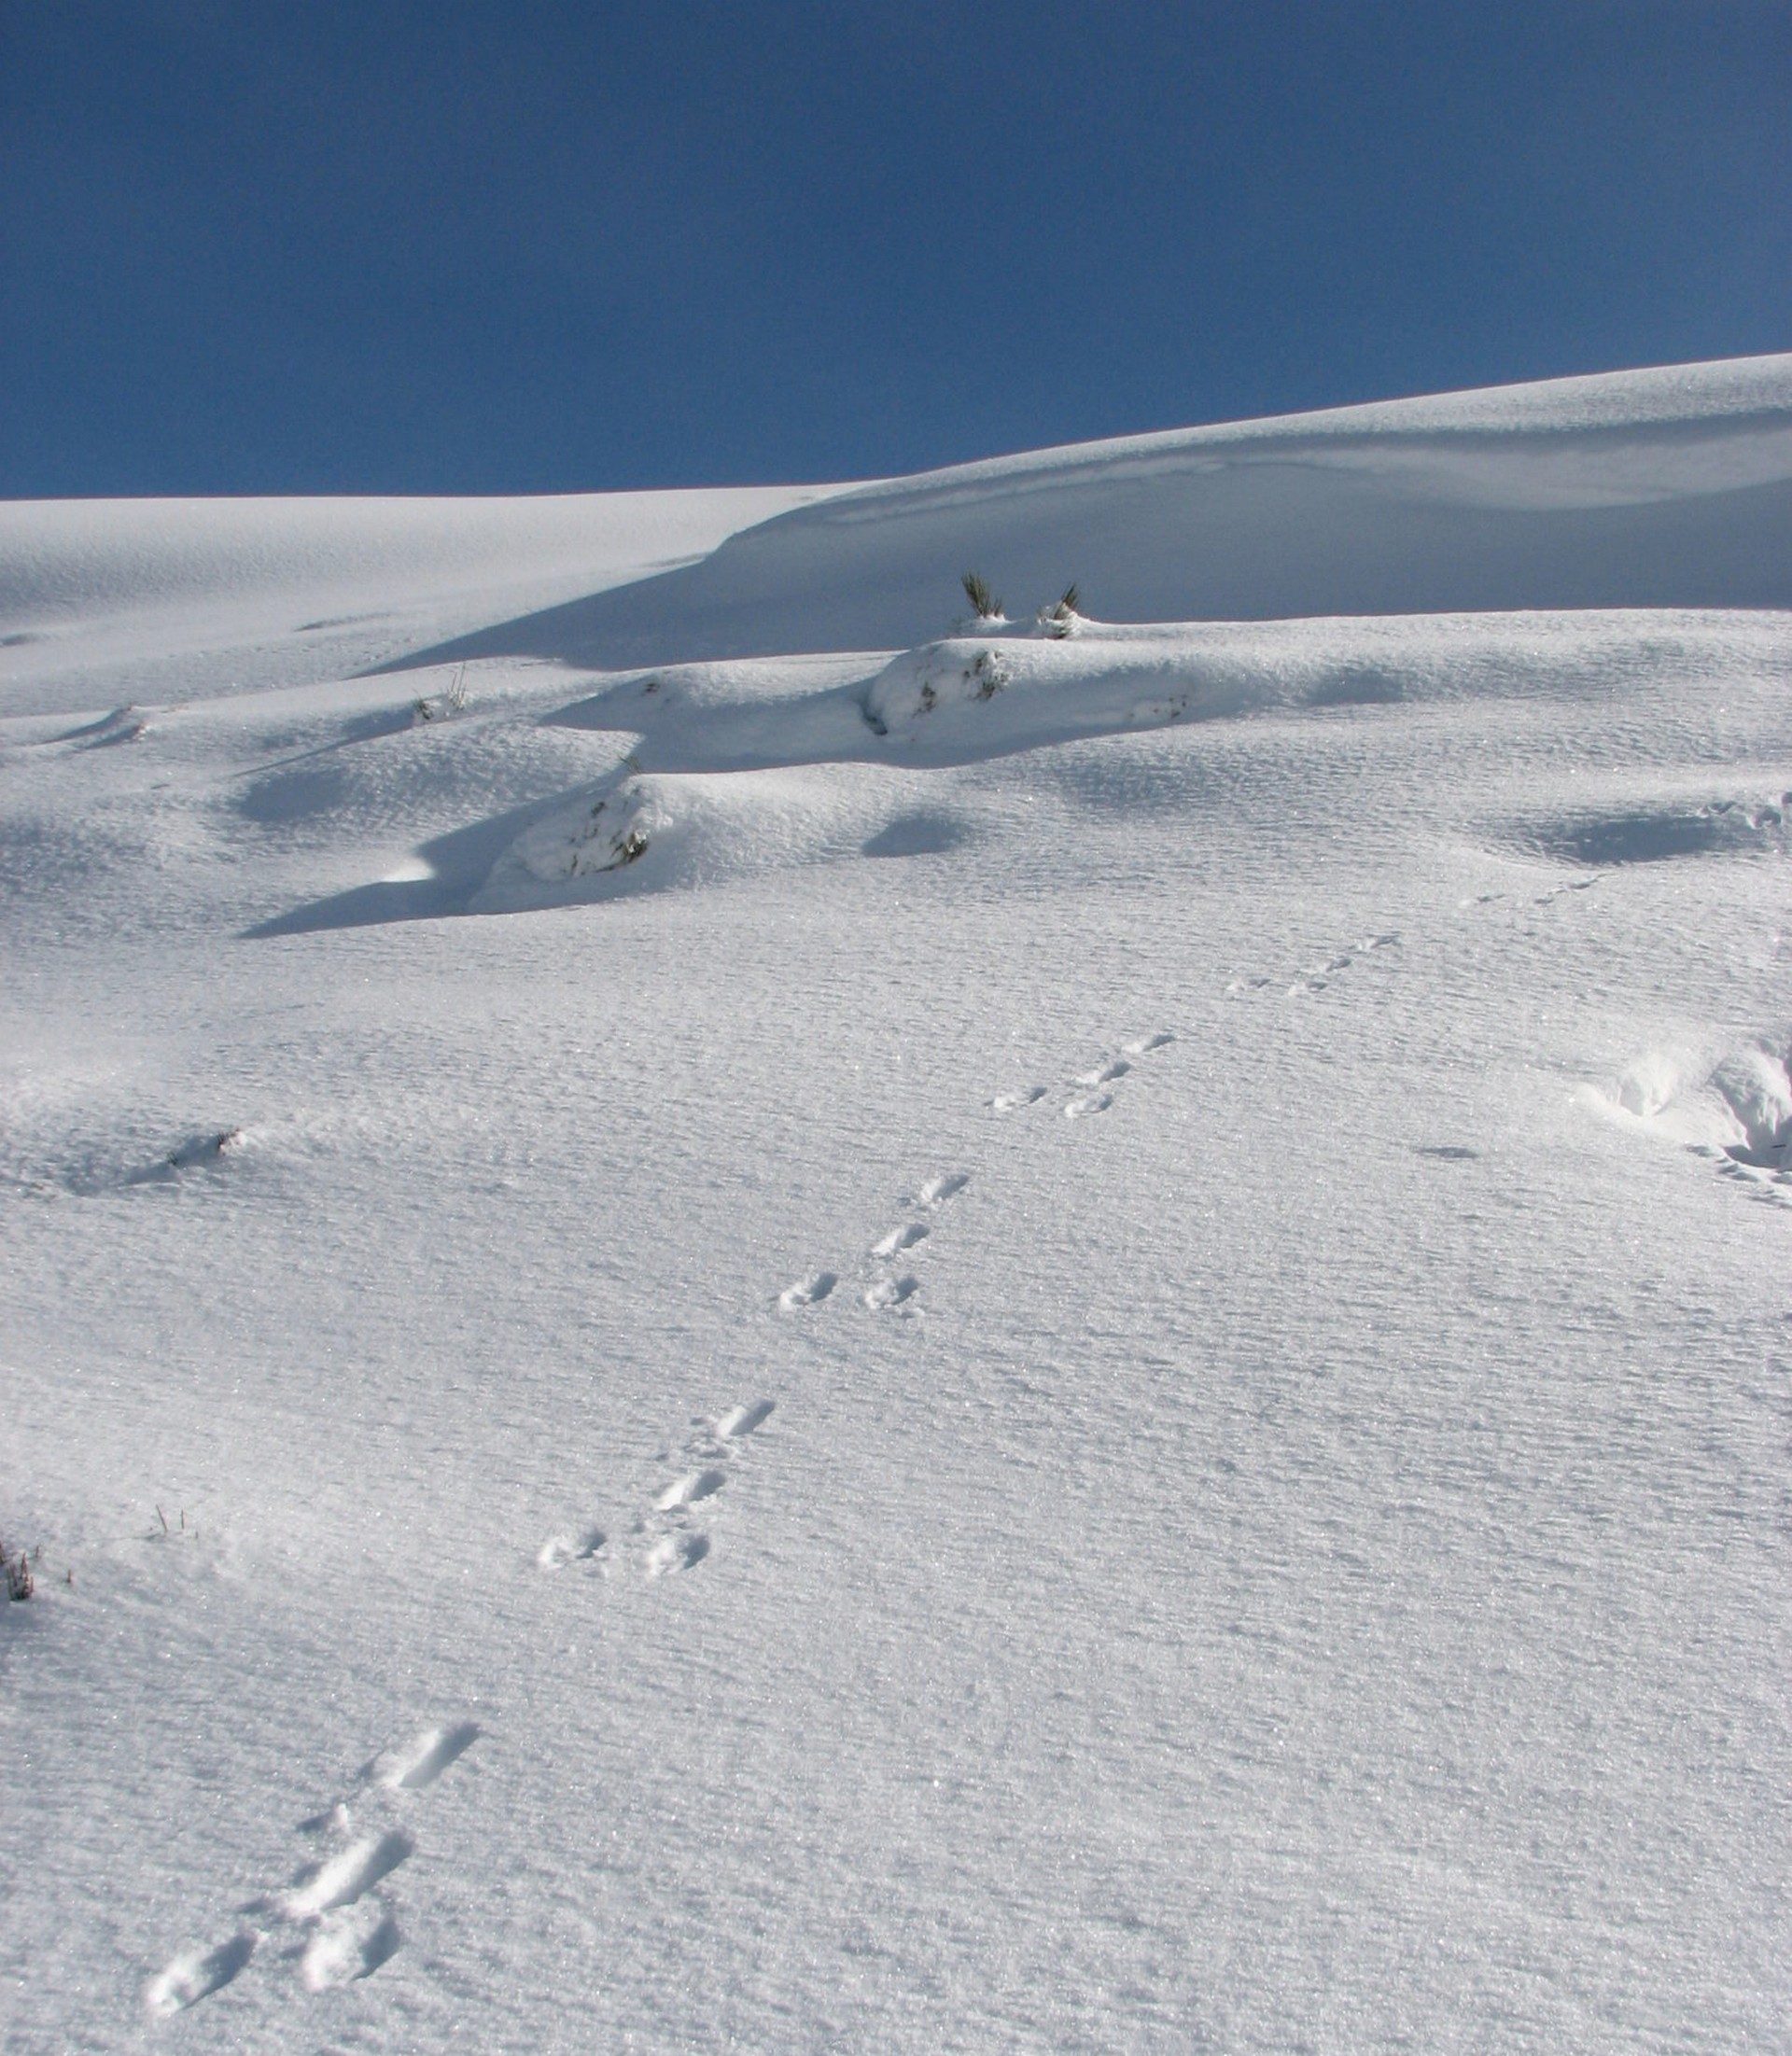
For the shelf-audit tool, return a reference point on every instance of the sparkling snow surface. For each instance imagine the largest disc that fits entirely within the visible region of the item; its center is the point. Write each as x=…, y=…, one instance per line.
x=736, y=1316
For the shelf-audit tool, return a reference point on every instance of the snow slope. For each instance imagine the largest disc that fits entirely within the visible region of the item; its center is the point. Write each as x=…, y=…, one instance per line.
x=1659, y=488
x=738, y=1316
x=119, y=597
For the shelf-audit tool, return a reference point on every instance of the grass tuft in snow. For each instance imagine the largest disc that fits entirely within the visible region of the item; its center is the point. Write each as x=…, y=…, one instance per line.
x=984, y=602
x=445, y=704
x=1062, y=618
x=20, y=1581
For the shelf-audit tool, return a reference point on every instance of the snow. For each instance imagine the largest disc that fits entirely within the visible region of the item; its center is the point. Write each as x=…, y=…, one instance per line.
x=1669, y=488
x=102, y=596
x=737, y=1316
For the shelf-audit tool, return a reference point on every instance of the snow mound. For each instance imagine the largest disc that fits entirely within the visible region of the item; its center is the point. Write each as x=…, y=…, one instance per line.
x=732, y=770
x=1756, y=1087
x=656, y=831
x=1741, y=1105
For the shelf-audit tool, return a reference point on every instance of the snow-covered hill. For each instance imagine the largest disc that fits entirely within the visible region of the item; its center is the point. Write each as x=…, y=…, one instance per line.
x=740, y=1315
x=1660, y=488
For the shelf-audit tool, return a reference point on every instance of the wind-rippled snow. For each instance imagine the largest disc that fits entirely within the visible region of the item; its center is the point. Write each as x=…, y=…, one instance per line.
x=1102, y=1364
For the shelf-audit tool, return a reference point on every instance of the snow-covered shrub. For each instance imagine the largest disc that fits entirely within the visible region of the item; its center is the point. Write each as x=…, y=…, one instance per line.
x=608, y=834
x=936, y=677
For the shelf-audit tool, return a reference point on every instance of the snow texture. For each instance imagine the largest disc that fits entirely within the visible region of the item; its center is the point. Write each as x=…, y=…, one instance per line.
x=928, y=1335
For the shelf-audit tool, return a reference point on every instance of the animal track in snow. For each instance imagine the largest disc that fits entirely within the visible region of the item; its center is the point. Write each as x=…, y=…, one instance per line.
x=421, y=1762
x=808, y=1292
x=1574, y=884
x=1005, y=1102
x=689, y=1490
x=1753, y=1186
x=886, y=1292
x=740, y=1421
x=557, y=1551
x=901, y=1238
x=1314, y=978
x=1089, y=1093
x=676, y=1552
x=1087, y=1088
x=669, y=1544
x=937, y=1190
x=1104, y=1074
x=188, y=1979
x=347, y=1931
x=347, y=1945
x=347, y=1876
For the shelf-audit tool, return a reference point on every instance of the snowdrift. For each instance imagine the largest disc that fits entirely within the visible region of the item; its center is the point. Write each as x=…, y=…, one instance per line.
x=720, y=766
x=169, y=597
x=1657, y=488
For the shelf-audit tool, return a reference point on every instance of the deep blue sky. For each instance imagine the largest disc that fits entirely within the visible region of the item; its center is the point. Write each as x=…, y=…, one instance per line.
x=375, y=245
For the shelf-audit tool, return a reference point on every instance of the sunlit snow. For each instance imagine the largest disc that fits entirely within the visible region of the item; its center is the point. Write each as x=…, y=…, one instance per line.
x=743, y=1314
